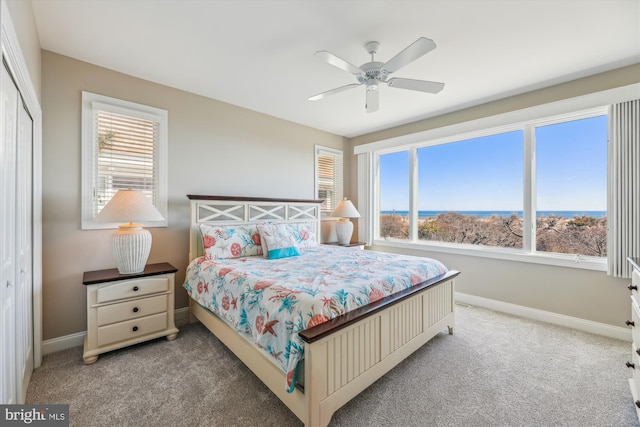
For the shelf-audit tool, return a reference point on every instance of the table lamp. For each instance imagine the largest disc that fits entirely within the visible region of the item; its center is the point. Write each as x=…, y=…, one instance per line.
x=130, y=244
x=344, y=227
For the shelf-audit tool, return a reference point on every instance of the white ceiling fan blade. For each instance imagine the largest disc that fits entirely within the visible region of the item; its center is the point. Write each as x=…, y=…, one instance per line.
x=410, y=54
x=332, y=91
x=338, y=62
x=372, y=100
x=419, y=85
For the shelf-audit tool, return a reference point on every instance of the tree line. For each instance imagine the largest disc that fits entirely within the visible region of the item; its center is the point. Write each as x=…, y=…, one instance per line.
x=583, y=235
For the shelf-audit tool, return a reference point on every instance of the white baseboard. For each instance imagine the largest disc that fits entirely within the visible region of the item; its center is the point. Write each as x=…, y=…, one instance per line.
x=77, y=339
x=597, y=328
x=63, y=343
x=182, y=314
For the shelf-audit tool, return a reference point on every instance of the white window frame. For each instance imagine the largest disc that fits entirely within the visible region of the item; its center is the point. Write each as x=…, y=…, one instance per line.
x=339, y=180
x=527, y=119
x=89, y=153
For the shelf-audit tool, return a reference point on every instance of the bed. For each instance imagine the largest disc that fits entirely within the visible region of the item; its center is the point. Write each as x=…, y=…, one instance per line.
x=320, y=354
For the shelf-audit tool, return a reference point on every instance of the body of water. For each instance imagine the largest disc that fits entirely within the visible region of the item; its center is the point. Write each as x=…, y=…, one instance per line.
x=486, y=214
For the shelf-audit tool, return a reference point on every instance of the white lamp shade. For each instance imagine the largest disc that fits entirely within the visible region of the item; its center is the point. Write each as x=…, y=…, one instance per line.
x=131, y=244
x=345, y=209
x=129, y=206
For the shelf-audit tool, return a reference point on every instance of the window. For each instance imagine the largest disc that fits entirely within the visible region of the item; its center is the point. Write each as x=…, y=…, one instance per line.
x=394, y=195
x=537, y=187
x=471, y=191
x=571, y=187
x=328, y=178
x=124, y=145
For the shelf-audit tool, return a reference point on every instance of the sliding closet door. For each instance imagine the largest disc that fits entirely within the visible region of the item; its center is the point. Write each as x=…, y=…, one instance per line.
x=24, y=251
x=8, y=133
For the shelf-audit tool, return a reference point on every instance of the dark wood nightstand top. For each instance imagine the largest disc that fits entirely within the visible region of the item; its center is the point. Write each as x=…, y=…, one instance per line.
x=112, y=274
x=348, y=245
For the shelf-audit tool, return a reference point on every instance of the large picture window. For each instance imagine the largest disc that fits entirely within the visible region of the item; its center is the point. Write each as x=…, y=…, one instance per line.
x=124, y=146
x=471, y=191
x=535, y=187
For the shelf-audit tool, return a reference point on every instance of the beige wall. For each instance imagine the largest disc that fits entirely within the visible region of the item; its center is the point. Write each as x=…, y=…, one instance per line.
x=25, y=26
x=585, y=294
x=214, y=148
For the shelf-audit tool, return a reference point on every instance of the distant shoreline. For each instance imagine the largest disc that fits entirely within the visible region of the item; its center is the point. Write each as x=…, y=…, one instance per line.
x=487, y=214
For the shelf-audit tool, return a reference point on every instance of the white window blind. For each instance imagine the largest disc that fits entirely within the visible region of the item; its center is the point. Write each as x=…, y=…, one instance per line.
x=124, y=146
x=126, y=155
x=328, y=178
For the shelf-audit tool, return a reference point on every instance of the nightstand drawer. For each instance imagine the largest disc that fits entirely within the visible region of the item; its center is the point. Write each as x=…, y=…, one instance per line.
x=131, y=329
x=132, y=289
x=131, y=309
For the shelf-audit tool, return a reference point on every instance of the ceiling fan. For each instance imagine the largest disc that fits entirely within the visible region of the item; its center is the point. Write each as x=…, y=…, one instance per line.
x=373, y=73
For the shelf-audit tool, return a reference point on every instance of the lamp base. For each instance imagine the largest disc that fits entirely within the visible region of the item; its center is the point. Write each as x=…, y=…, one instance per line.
x=344, y=230
x=130, y=246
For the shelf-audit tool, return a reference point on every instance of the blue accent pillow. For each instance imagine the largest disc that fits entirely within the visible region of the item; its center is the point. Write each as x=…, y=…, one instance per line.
x=278, y=241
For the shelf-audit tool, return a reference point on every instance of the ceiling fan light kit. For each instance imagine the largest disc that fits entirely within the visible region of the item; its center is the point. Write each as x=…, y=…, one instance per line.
x=372, y=73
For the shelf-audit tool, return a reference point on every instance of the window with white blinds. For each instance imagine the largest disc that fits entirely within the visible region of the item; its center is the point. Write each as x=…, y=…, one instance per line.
x=124, y=147
x=126, y=156
x=328, y=178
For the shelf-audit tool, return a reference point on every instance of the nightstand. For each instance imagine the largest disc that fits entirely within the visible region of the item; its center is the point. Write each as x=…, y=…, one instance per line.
x=126, y=309
x=352, y=245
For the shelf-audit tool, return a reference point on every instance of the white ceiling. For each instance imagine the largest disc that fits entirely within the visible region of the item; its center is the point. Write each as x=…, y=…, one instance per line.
x=259, y=54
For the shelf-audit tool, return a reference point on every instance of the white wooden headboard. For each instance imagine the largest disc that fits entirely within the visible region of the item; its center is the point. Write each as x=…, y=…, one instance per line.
x=226, y=210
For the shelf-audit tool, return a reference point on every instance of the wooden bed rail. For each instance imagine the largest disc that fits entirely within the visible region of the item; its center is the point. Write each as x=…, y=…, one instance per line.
x=327, y=328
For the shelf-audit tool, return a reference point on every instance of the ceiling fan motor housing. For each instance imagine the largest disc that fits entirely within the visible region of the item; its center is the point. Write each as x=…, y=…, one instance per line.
x=372, y=71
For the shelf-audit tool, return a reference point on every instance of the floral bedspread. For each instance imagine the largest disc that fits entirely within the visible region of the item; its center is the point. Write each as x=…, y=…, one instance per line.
x=274, y=299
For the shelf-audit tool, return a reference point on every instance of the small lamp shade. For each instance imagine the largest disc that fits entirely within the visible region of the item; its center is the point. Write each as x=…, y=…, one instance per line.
x=129, y=206
x=130, y=244
x=344, y=227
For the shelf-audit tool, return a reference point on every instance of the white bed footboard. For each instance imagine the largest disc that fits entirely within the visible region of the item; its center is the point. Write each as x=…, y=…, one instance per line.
x=341, y=365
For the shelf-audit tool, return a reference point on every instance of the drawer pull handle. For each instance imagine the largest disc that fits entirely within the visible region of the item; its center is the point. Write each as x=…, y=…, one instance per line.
x=135, y=289
x=629, y=323
x=135, y=329
x=632, y=287
x=638, y=403
x=136, y=309
x=630, y=365
x=638, y=351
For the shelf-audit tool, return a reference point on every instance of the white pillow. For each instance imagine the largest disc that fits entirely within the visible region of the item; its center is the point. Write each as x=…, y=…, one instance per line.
x=304, y=234
x=277, y=241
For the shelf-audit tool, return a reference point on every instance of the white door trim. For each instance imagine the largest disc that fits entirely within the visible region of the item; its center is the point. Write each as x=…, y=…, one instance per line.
x=10, y=49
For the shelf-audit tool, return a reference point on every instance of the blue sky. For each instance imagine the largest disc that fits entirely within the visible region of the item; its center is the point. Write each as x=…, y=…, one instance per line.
x=487, y=173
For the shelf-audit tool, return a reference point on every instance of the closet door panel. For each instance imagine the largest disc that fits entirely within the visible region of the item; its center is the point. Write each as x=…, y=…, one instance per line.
x=8, y=134
x=24, y=252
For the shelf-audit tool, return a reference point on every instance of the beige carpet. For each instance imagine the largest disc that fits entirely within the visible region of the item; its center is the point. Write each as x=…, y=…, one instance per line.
x=496, y=370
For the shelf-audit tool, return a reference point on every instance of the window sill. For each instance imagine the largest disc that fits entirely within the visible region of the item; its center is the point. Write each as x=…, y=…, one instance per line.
x=560, y=260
